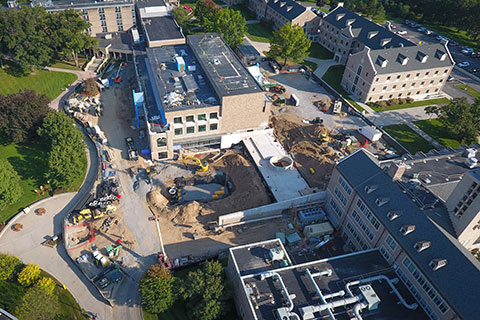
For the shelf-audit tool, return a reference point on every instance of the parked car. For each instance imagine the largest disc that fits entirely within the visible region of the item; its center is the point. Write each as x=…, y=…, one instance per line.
x=401, y=32
x=450, y=78
x=421, y=29
x=474, y=54
x=473, y=70
x=428, y=32
x=467, y=51
x=464, y=64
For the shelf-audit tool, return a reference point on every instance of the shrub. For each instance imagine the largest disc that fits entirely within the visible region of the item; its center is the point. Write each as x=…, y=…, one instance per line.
x=156, y=289
x=29, y=274
x=90, y=87
x=392, y=102
x=409, y=100
x=402, y=101
x=382, y=104
x=37, y=304
x=47, y=284
x=8, y=264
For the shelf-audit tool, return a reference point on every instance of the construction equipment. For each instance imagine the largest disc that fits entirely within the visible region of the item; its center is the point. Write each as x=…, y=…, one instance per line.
x=280, y=101
x=131, y=151
x=322, y=133
x=201, y=167
x=113, y=250
x=279, y=89
x=84, y=214
x=87, y=214
x=164, y=261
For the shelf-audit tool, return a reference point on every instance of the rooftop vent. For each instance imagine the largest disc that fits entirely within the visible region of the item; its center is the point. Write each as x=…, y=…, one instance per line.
x=436, y=264
x=372, y=34
x=421, y=245
x=282, y=4
x=340, y=16
x=381, y=61
x=422, y=57
x=350, y=21
x=439, y=54
x=406, y=229
x=370, y=188
x=402, y=59
x=392, y=215
x=289, y=8
x=384, y=42
x=381, y=201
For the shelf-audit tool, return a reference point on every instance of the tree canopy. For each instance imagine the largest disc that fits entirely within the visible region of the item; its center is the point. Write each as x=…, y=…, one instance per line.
x=10, y=189
x=90, y=87
x=206, y=10
x=21, y=114
x=8, y=264
x=289, y=43
x=37, y=304
x=461, y=117
x=66, y=149
x=230, y=24
x=156, y=289
x=372, y=8
x=181, y=15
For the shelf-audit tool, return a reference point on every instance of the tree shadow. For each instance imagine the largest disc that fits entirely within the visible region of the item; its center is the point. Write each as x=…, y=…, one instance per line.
x=13, y=69
x=31, y=162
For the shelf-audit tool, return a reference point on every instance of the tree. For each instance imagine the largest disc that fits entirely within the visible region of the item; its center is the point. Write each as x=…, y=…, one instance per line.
x=289, y=42
x=90, y=87
x=10, y=189
x=8, y=264
x=21, y=114
x=66, y=149
x=230, y=24
x=37, y=304
x=321, y=3
x=70, y=33
x=333, y=4
x=181, y=15
x=47, y=284
x=156, y=289
x=461, y=117
x=29, y=274
x=205, y=293
x=205, y=10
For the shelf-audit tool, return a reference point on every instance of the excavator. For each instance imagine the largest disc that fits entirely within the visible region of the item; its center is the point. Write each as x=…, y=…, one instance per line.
x=87, y=214
x=322, y=133
x=201, y=167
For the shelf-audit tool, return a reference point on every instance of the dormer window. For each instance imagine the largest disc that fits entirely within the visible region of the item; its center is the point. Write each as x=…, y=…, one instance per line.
x=439, y=54
x=381, y=61
x=350, y=21
x=381, y=201
x=289, y=8
x=369, y=189
x=406, y=229
x=340, y=16
x=421, y=245
x=402, y=59
x=422, y=57
x=282, y=4
x=438, y=263
x=372, y=34
x=392, y=215
x=384, y=42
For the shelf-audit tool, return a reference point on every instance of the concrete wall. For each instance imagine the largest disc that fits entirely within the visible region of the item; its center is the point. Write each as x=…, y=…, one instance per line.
x=247, y=111
x=170, y=42
x=267, y=211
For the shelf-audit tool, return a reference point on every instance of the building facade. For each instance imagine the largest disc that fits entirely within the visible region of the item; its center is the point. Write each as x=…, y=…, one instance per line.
x=372, y=211
x=380, y=65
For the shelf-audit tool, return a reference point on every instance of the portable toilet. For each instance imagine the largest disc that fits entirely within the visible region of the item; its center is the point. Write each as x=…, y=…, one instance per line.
x=180, y=64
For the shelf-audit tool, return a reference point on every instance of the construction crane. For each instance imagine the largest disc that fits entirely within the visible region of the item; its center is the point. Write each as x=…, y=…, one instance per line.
x=201, y=167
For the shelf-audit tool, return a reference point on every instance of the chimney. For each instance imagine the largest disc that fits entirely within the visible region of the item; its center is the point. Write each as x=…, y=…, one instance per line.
x=396, y=170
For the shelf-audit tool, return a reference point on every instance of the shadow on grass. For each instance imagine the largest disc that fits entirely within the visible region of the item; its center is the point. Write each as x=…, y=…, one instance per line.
x=31, y=162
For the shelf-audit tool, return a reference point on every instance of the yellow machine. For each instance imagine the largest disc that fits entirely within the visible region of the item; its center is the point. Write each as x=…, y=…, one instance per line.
x=201, y=167
x=87, y=214
x=322, y=133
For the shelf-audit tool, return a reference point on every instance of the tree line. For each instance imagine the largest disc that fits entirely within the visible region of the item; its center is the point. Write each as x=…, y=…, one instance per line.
x=34, y=38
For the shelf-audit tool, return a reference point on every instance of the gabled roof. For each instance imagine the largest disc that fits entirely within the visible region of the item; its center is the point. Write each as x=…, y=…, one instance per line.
x=342, y=18
x=427, y=56
x=459, y=280
x=287, y=8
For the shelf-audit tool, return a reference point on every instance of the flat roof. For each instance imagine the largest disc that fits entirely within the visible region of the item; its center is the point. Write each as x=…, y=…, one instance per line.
x=150, y=3
x=247, y=49
x=66, y=4
x=121, y=40
x=267, y=294
x=162, y=28
x=224, y=70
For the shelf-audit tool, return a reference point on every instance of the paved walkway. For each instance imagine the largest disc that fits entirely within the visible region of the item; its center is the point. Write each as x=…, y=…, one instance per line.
x=81, y=75
x=322, y=65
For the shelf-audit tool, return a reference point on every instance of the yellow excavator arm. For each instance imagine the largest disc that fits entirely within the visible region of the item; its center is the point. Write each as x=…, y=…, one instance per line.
x=202, y=167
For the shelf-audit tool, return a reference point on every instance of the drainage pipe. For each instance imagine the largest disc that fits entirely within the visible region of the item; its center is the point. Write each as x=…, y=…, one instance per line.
x=267, y=275
x=412, y=306
x=340, y=293
x=317, y=289
x=357, y=309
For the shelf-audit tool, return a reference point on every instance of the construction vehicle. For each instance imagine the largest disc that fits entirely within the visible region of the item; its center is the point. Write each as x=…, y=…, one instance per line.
x=322, y=133
x=113, y=250
x=164, y=261
x=131, y=151
x=280, y=101
x=87, y=214
x=279, y=89
x=200, y=167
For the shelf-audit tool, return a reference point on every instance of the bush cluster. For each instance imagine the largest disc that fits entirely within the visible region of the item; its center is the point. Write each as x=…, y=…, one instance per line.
x=391, y=102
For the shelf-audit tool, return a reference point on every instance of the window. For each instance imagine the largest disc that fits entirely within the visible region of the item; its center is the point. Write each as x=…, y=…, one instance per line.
x=384, y=88
x=163, y=155
x=202, y=116
x=367, y=213
x=391, y=243
x=388, y=78
x=213, y=126
x=202, y=128
x=362, y=225
x=422, y=83
x=385, y=253
x=395, y=86
x=340, y=196
x=373, y=89
x=345, y=185
x=390, y=96
x=101, y=10
x=104, y=29
x=376, y=80
x=190, y=118
x=213, y=115
x=177, y=120
x=431, y=81
x=446, y=70
x=403, y=85
x=409, y=93
x=104, y=23
x=178, y=131
x=161, y=142
x=398, y=77
x=427, y=73
x=119, y=16
x=120, y=28
x=190, y=130
x=408, y=76
x=335, y=206
x=381, y=97
x=366, y=74
x=417, y=75
x=436, y=72
x=413, y=84
x=427, y=91
x=356, y=236
x=117, y=9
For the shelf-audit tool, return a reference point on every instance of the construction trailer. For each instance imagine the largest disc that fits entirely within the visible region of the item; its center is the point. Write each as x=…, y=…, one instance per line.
x=318, y=230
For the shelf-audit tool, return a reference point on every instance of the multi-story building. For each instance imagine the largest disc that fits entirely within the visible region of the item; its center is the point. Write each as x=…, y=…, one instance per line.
x=380, y=65
x=374, y=210
x=199, y=96
x=104, y=16
x=269, y=285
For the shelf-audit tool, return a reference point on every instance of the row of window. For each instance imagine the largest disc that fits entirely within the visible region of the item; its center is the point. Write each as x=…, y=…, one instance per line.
x=367, y=213
x=200, y=117
x=336, y=207
x=391, y=243
x=345, y=185
x=426, y=286
x=356, y=236
x=340, y=196
x=466, y=200
x=363, y=225
x=416, y=294
x=385, y=253
x=399, y=95
x=417, y=75
x=201, y=128
x=412, y=85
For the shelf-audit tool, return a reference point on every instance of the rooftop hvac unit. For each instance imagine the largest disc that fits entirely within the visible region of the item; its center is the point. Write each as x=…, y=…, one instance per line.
x=370, y=297
x=276, y=254
x=282, y=314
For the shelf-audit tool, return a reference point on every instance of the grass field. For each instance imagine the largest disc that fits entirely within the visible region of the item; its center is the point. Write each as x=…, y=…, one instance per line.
x=333, y=77
x=69, y=65
x=408, y=138
x=437, y=130
x=471, y=91
x=421, y=103
x=47, y=82
x=259, y=32
x=29, y=160
x=318, y=51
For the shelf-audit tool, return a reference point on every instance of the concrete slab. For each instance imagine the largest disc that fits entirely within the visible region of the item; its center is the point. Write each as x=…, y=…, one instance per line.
x=283, y=183
x=200, y=192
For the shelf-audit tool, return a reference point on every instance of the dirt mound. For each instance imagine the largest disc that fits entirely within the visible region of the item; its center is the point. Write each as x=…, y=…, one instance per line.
x=156, y=198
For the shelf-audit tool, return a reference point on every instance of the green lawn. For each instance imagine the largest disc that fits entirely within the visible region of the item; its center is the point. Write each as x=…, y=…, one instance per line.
x=420, y=103
x=318, y=51
x=333, y=77
x=42, y=81
x=408, y=138
x=471, y=91
x=435, y=129
x=259, y=32
x=69, y=65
